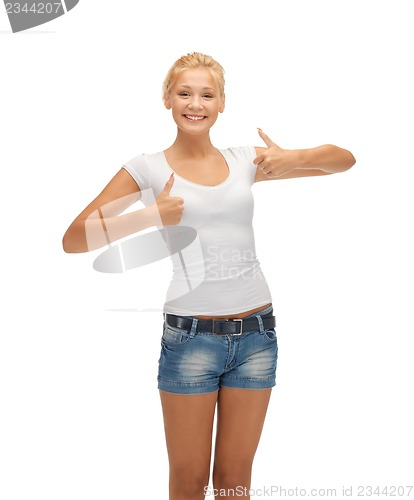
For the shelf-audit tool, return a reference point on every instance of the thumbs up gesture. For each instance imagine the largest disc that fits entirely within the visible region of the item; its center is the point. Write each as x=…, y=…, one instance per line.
x=274, y=161
x=170, y=208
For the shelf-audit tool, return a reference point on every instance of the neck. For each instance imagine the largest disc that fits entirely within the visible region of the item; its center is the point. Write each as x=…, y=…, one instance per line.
x=192, y=145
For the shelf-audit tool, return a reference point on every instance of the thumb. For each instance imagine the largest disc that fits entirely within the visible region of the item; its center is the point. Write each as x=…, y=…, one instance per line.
x=168, y=185
x=269, y=143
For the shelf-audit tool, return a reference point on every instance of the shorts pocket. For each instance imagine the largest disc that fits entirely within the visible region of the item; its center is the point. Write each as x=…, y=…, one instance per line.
x=270, y=335
x=172, y=335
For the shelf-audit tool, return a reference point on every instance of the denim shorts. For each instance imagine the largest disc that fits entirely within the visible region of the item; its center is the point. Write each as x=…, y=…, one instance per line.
x=198, y=362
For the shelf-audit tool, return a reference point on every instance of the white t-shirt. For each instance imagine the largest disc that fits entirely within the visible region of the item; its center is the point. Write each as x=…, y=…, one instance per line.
x=218, y=273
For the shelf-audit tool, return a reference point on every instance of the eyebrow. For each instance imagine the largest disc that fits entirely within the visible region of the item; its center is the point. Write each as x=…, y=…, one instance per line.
x=188, y=87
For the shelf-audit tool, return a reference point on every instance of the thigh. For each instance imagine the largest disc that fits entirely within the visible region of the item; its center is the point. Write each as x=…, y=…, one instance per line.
x=188, y=424
x=240, y=418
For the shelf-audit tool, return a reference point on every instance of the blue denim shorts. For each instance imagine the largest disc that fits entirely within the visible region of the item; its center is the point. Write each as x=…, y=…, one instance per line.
x=198, y=362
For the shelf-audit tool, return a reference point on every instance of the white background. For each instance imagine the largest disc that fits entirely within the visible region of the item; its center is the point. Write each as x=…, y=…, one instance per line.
x=80, y=412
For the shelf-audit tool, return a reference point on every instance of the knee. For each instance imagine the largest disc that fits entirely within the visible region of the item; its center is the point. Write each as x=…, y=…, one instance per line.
x=188, y=482
x=232, y=475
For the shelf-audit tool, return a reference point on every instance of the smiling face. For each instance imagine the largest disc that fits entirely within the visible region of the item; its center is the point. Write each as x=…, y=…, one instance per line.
x=195, y=101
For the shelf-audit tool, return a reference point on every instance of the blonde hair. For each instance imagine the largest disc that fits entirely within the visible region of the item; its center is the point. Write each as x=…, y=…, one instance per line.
x=192, y=61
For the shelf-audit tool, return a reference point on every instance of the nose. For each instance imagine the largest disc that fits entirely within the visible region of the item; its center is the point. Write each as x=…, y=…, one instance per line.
x=195, y=103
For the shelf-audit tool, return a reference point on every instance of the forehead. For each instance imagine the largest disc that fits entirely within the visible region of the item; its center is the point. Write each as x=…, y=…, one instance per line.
x=199, y=78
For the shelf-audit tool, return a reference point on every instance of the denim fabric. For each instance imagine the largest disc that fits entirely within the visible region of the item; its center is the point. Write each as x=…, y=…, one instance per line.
x=198, y=362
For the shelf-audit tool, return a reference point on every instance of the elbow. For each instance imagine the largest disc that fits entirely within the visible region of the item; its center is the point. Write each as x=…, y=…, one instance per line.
x=70, y=243
x=66, y=243
x=350, y=162
x=346, y=161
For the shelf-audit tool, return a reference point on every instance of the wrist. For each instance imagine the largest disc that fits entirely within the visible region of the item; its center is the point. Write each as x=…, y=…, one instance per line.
x=301, y=158
x=151, y=216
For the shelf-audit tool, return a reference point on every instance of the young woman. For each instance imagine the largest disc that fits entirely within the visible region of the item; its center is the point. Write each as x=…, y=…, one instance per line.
x=218, y=345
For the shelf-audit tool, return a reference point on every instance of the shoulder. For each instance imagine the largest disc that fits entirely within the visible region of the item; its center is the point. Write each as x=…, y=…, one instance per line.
x=246, y=153
x=143, y=158
x=140, y=167
x=138, y=161
x=144, y=161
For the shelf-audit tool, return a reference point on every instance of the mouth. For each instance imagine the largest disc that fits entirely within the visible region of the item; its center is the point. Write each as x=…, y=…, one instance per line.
x=195, y=118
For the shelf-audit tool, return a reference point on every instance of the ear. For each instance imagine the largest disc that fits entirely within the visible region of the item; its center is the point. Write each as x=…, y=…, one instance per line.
x=223, y=104
x=167, y=103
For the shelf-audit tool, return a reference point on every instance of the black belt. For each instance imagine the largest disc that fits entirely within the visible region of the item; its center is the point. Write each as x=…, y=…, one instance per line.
x=235, y=326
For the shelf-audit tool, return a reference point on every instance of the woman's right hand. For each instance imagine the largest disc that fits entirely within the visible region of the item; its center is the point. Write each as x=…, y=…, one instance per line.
x=169, y=208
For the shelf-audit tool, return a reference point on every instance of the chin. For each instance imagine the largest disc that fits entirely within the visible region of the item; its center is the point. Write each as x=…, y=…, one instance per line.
x=196, y=128
x=195, y=132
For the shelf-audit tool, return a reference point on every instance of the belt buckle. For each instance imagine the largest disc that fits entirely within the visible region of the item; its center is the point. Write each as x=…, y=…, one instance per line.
x=235, y=319
x=241, y=326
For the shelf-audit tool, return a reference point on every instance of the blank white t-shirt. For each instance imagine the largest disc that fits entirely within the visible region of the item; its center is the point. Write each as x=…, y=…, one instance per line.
x=219, y=272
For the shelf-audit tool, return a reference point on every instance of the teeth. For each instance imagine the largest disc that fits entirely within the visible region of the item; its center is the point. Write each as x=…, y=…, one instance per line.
x=194, y=118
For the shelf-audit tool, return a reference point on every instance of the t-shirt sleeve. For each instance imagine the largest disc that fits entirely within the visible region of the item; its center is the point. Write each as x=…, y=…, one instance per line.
x=246, y=154
x=138, y=168
x=251, y=155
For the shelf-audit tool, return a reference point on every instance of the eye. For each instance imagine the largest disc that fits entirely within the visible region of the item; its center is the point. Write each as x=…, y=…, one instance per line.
x=183, y=94
x=208, y=96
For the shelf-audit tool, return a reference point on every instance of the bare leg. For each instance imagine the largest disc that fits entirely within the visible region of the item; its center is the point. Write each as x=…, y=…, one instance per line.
x=240, y=418
x=188, y=423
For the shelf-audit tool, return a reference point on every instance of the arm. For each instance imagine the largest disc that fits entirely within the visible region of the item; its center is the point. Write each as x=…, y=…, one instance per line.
x=274, y=162
x=97, y=225
x=100, y=224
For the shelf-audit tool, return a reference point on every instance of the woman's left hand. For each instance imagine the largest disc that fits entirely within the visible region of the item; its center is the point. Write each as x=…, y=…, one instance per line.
x=273, y=160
